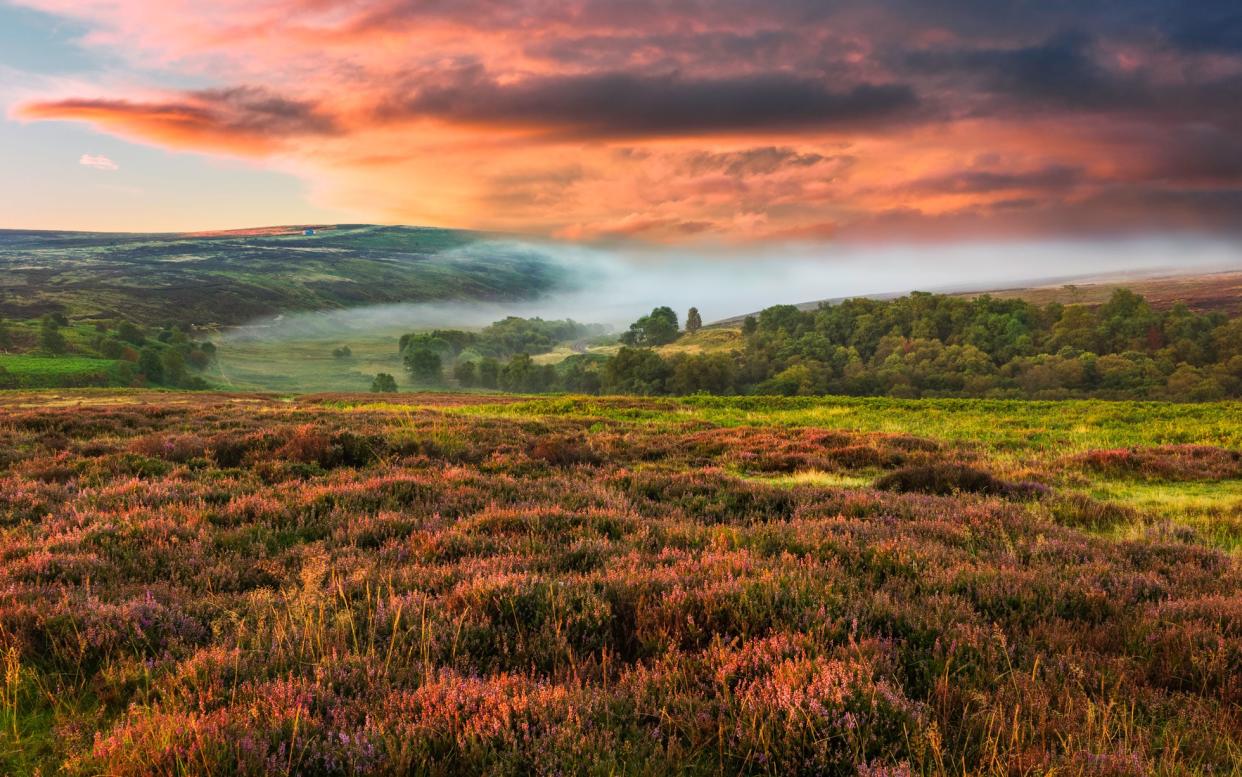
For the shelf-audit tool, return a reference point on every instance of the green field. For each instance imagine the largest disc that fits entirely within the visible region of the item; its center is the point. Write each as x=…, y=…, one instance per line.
x=1002, y=426
x=36, y=371
x=305, y=365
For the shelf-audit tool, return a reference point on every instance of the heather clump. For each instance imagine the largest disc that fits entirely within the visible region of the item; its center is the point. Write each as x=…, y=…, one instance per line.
x=948, y=479
x=710, y=496
x=1166, y=462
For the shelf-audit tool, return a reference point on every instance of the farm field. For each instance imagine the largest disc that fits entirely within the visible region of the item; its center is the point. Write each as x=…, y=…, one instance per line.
x=214, y=583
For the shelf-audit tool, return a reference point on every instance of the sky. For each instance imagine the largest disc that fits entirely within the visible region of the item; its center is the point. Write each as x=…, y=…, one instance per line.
x=668, y=121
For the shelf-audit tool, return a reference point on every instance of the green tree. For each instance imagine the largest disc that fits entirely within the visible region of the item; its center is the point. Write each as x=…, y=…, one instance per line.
x=1125, y=321
x=658, y=328
x=518, y=374
x=173, y=364
x=130, y=333
x=1076, y=328
x=384, y=383
x=694, y=322
x=695, y=373
x=791, y=381
x=489, y=373
x=429, y=341
x=580, y=378
x=150, y=365
x=198, y=358
x=50, y=337
x=465, y=373
x=424, y=364
x=1227, y=339
x=6, y=337
x=636, y=371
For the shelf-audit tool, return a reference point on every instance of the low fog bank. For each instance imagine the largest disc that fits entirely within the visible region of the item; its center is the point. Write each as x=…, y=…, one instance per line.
x=615, y=286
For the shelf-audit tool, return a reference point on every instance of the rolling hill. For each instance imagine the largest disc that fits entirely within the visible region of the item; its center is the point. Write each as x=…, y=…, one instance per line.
x=223, y=278
x=1201, y=292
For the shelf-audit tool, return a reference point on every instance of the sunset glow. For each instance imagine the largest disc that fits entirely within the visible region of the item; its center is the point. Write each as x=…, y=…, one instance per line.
x=735, y=121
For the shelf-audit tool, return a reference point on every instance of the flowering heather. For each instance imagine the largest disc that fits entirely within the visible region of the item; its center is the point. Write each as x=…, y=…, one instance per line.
x=212, y=584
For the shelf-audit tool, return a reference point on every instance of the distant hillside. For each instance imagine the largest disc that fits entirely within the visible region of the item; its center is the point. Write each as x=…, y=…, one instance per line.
x=1203, y=292
x=231, y=277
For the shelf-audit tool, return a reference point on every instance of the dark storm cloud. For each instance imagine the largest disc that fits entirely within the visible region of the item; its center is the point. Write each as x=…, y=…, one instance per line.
x=619, y=104
x=1206, y=25
x=1074, y=73
x=1060, y=71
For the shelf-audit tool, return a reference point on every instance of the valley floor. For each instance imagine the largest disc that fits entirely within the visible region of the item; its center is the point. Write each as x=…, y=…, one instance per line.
x=217, y=583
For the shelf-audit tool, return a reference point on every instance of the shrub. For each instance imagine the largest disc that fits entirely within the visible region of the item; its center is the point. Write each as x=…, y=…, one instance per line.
x=384, y=383
x=948, y=479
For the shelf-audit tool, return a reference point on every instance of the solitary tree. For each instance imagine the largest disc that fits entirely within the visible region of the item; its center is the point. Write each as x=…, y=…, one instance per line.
x=694, y=322
x=384, y=384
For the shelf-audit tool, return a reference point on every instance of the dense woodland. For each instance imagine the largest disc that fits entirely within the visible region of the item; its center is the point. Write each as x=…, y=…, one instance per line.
x=922, y=345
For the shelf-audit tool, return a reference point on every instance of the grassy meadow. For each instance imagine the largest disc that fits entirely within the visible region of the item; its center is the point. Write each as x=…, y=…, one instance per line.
x=208, y=583
x=305, y=365
x=40, y=371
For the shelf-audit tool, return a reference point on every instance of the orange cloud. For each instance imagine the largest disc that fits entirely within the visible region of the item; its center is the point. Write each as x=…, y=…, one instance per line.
x=242, y=121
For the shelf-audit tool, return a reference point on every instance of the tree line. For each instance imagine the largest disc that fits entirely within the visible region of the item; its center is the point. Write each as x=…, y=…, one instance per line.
x=921, y=345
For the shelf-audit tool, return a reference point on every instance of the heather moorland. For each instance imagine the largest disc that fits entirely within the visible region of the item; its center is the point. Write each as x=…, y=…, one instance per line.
x=431, y=584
